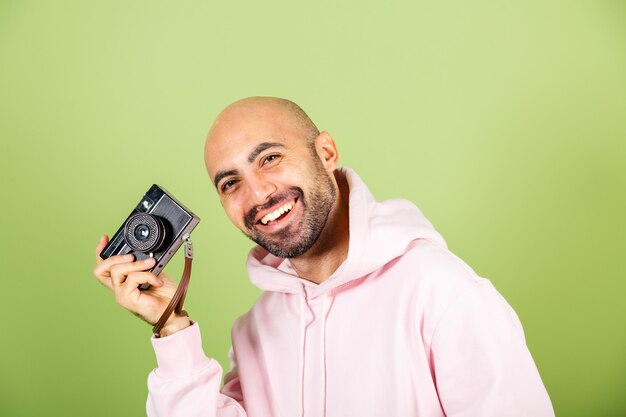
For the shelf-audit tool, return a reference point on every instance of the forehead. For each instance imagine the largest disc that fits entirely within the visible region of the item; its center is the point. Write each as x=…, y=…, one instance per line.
x=232, y=139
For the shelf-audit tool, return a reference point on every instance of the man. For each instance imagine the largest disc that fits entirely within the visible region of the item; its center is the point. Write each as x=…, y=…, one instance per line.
x=365, y=312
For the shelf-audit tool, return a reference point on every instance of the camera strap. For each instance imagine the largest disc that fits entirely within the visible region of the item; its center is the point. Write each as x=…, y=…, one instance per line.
x=176, y=304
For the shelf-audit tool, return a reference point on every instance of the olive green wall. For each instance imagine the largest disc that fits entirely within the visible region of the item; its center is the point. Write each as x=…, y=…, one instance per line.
x=505, y=122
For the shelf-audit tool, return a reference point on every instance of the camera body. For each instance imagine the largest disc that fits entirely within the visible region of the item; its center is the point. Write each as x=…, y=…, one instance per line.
x=156, y=228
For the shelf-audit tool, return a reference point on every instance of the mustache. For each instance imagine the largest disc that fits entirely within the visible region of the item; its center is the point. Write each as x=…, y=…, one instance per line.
x=292, y=193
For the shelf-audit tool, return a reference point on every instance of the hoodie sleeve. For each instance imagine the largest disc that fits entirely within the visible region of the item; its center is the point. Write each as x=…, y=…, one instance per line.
x=186, y=382
x=481, y=363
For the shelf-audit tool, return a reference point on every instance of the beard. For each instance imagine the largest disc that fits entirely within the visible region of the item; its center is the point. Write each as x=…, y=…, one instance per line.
x=296, y=239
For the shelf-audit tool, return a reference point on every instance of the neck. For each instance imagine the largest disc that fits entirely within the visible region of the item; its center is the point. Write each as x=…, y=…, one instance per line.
x=331, y=248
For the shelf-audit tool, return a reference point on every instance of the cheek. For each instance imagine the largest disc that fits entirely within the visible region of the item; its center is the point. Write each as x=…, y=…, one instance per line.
x=297, y=173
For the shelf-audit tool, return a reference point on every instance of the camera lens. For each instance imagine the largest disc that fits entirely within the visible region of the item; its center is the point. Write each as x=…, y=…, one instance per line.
x=144, y=232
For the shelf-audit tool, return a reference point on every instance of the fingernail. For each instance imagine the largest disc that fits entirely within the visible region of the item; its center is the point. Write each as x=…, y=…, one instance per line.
x=148, y=261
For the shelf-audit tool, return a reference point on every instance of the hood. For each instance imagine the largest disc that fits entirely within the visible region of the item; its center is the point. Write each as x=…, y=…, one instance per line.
x=379, y=233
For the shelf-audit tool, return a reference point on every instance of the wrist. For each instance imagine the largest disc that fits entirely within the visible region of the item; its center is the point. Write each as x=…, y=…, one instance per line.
x=174, y=324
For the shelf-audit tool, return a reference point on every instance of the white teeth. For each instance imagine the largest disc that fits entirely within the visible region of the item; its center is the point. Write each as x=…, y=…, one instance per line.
x=276, y=213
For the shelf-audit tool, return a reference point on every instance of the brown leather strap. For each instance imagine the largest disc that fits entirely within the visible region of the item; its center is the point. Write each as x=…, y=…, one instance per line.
x=176, y=304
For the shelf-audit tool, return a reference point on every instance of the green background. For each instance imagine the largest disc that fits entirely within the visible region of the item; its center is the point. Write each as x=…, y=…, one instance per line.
x=505, y=122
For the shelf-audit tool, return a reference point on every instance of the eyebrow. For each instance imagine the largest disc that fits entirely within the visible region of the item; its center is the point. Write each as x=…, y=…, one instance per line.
x=222, y=174
x=251, y=157
x=260, y=148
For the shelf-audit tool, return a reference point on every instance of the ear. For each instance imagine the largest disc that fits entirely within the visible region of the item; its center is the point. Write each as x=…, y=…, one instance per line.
x=327, y=151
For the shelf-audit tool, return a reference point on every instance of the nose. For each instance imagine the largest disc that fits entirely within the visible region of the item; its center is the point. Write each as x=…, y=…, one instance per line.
x=260, y=189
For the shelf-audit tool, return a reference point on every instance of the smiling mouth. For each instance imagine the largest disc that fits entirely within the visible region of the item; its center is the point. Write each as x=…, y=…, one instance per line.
x=277, y=214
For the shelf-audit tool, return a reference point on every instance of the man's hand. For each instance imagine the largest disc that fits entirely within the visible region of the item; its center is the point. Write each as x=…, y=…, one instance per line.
x=122, y=275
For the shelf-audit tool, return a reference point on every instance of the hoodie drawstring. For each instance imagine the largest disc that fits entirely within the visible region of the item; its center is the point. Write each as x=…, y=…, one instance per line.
x=322, y=316
x=323, y=348
x=302, y=347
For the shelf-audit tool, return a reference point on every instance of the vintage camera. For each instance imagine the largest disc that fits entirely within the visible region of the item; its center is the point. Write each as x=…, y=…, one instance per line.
x=156, y=228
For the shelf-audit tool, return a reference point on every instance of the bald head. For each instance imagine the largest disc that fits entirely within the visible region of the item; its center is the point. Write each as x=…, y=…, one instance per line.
x=257, y=113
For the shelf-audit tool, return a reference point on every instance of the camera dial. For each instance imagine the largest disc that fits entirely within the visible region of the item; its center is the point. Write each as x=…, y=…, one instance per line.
x=144, y=232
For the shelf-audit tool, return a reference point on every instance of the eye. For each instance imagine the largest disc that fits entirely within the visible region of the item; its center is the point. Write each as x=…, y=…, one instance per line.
x=226, y=185
x=270, y=158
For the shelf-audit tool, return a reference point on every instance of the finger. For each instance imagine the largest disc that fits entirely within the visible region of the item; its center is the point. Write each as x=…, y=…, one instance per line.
x=134, y=280
x=119, y=272
x=106, y=282
x=129, y=296
x=104, y=239
x=103, y=269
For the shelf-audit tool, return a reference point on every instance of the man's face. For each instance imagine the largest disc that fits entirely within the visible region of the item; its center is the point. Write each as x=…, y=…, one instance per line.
x=273, y=187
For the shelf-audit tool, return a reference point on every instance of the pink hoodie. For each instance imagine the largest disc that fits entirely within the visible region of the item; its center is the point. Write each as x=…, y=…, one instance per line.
x=402, y=328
